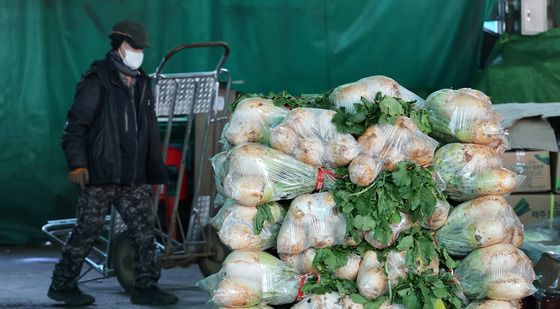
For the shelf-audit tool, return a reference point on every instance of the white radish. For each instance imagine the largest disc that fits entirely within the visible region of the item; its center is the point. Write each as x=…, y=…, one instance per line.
x=439, y=217
x=313, y=220
x=330, y=300
x=349, y=94
x=510, y=287
x=310, y=136
x=396, y=228
x=251, y=121
x=350, y=270
x=284, y=139
x=249, y=190
x=254, y=174
x=235, y=225
x=235, y=293
x=363, y=170
x=302, y=262
x=387, y=145
x=478, y=223
x=494, y=304
x=371, y=280
x=500, y=271
x=292, y=239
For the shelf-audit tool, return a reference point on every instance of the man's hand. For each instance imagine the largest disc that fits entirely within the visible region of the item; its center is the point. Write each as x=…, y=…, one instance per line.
x=79, y=176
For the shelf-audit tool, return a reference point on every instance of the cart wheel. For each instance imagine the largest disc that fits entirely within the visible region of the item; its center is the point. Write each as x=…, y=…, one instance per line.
x=212, y=264
x=123, y=260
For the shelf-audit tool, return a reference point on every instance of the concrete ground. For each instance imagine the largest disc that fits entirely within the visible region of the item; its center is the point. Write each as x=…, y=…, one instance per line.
x=25, y=277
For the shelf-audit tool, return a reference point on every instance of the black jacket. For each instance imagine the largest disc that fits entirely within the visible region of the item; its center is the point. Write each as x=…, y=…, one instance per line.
x=94, y=138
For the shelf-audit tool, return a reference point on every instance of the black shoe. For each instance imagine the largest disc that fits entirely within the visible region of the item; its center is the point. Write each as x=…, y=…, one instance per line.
x=151, y=296
x=70, y=296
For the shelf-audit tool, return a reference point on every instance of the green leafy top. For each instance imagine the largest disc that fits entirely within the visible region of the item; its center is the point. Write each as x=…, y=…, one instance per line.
x=306, y=100
x=264, y=214
x=287, y=100
x=326, y=261
x=383, y=110
x=427, y=291
x=410, y=189
x=421, y=248
x=419, y=291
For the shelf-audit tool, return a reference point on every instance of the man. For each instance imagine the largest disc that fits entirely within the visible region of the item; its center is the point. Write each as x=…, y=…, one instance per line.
x=111, y=144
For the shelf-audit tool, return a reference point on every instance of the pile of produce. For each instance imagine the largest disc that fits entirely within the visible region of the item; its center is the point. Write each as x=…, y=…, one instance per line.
x=367, y=197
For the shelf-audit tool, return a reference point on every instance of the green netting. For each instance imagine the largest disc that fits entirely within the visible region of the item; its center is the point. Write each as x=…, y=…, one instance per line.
x=299, y=46
x=523, y=69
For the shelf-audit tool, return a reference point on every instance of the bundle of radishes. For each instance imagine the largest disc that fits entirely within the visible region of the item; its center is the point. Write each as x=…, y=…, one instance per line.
x=483, y=229
x=368, y=224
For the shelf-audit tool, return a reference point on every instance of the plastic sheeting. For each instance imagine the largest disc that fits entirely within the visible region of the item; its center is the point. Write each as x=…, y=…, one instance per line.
x=299, y=46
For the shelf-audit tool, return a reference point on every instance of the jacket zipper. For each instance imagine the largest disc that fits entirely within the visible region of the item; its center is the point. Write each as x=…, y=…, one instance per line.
x=137, y=133
x=136, y=142
x=126, y=118
x=113, y=114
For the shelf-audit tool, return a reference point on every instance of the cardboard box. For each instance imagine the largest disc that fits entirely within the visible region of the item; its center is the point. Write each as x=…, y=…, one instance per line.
x=535, y=165
x=213, y=146
x=555, y=171
x=532, y=133
x=529, y=124
x=535, y=207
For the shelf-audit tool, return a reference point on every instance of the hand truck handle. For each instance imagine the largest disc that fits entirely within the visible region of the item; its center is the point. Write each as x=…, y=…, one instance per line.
x=172, y=52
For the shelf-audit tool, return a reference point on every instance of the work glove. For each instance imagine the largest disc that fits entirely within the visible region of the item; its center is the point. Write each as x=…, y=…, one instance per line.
x=79, y=176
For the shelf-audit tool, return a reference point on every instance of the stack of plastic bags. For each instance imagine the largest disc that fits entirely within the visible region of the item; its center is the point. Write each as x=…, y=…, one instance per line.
x=276, y=157
x=484, y=228
x=252, y=176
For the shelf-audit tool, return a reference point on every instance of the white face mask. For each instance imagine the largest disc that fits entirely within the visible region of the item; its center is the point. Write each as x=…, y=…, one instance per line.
x=133, y=59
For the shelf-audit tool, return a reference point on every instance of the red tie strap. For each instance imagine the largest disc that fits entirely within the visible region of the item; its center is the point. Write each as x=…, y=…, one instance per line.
x=300, y=288
x=320, y=182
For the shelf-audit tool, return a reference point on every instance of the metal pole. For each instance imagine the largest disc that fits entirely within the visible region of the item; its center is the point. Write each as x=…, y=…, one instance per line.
x=183, y=165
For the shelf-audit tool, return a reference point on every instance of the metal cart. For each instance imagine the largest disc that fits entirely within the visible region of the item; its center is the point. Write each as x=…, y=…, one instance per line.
x=179, y=98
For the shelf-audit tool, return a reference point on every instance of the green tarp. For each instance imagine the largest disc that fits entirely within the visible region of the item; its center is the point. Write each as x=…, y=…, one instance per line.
x=523, y=69
x=299, y=46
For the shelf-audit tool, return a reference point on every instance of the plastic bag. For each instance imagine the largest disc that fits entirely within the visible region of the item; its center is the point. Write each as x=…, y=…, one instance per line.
x=439, y=217
x=303, y=263
x=236, y=226
x=371, y=281
x=331, y=300
x=478, y=223
x=494, y=304
x=542, y=237
x=465, y=115
x=385, y=145
x=251, y=121
x=349, y=94
x=249, y=278
x=500, y=272
x=396, y=267
x=396, y=228
x=254, y=174
x=313, y=221
x=470, y=170
x=350, y=270
x=310, y=136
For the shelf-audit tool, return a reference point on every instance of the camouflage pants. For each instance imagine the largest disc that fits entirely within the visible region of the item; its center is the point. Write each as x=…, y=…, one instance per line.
x=134, y=204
